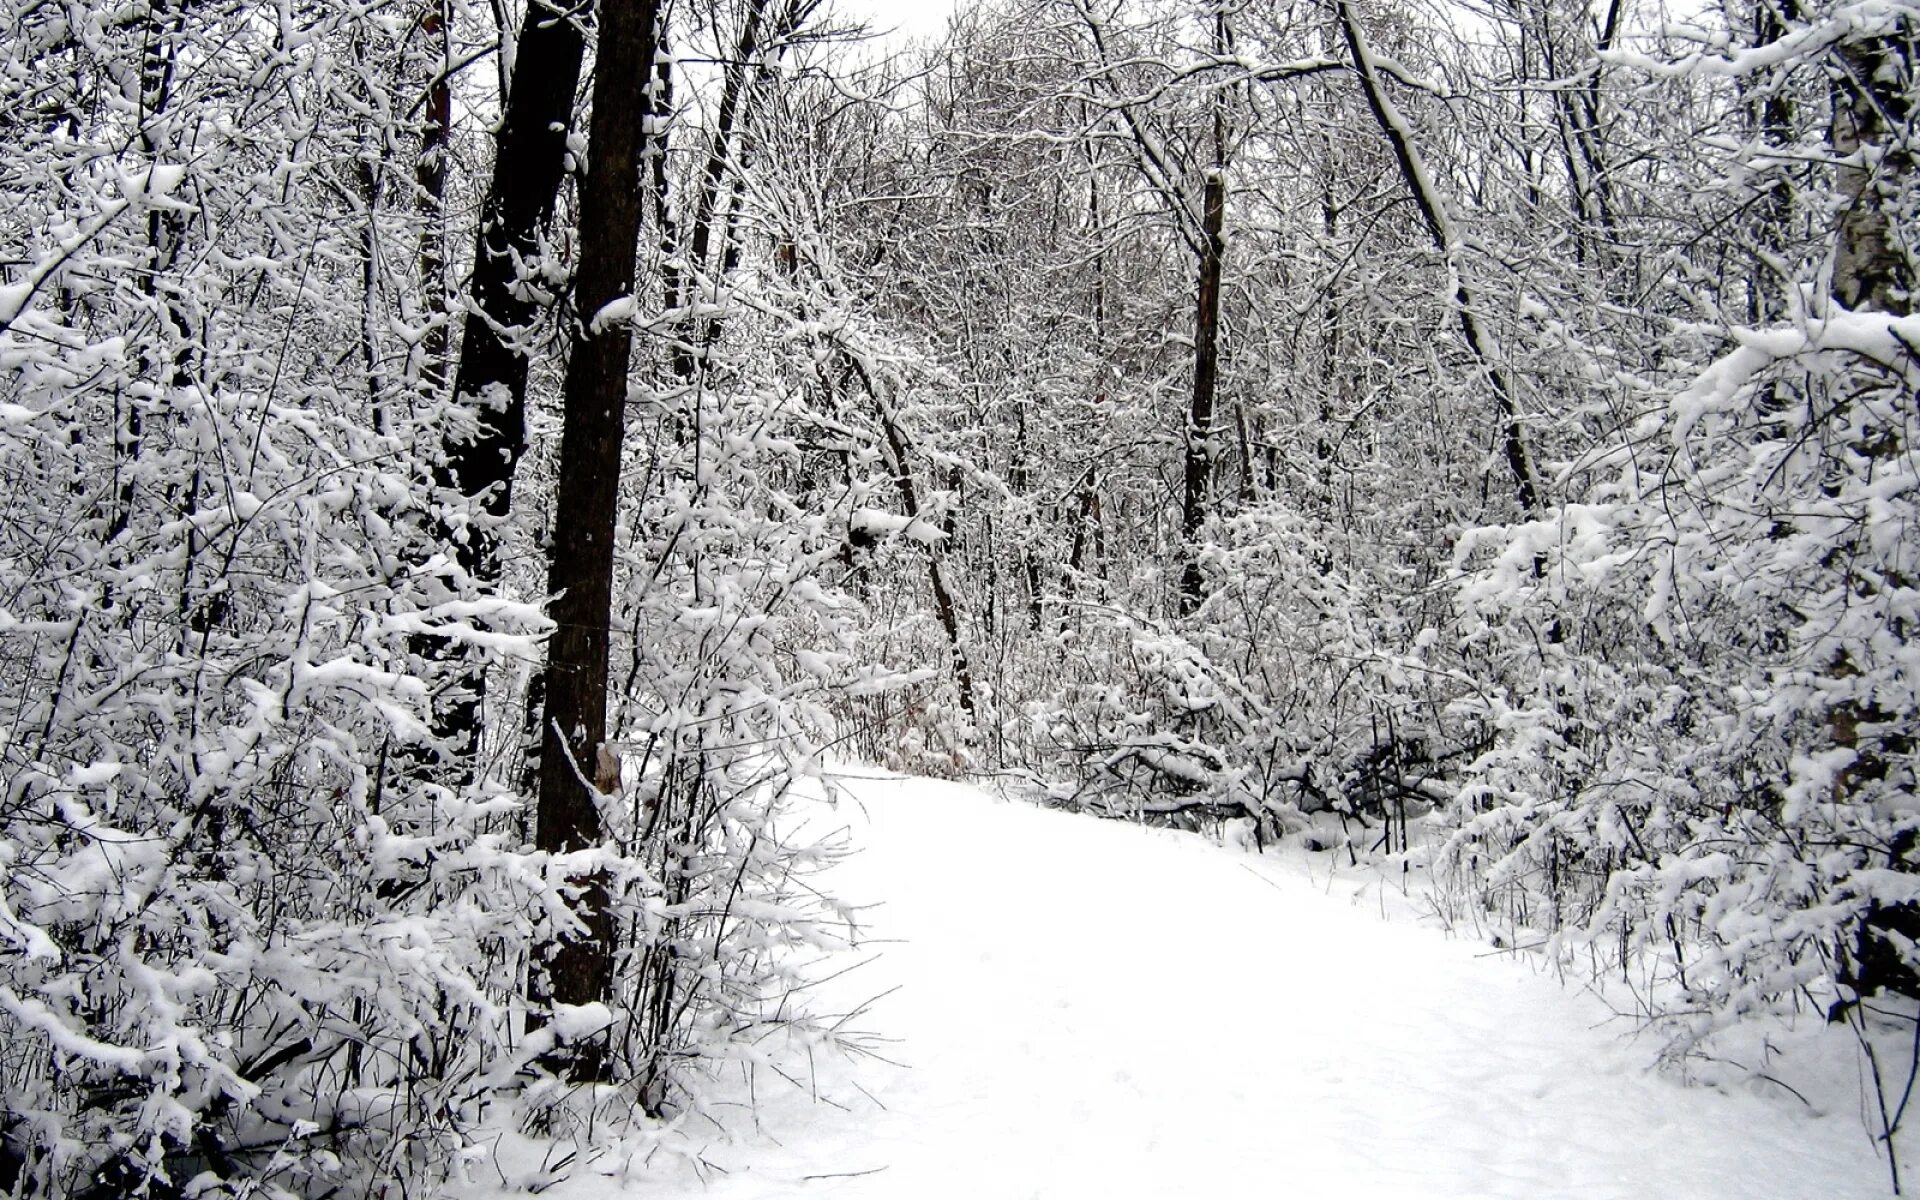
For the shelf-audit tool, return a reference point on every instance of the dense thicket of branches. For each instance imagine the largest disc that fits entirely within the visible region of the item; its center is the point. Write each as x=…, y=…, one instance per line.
x=277, y=908
x=1500, y=415
x=1555, y=477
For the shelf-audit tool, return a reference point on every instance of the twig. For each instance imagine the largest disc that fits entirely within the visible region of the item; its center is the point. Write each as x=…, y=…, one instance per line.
x=843, y=1174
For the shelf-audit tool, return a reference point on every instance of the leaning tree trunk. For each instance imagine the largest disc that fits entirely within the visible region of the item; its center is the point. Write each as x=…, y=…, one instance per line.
x=1527, y=491
x=576, y=767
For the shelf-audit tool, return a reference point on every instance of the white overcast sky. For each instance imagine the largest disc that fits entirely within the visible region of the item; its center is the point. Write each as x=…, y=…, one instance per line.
x=908, y=18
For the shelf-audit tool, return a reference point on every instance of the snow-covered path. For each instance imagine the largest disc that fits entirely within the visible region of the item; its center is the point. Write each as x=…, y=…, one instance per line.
x=1090, y=1009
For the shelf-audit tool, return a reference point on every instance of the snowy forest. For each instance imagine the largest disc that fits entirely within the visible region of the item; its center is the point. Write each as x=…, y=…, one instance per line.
x=468, y=468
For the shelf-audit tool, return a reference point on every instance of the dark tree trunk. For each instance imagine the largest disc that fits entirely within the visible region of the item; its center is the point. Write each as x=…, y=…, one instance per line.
x=575, y=764
x=1201, y=450
x=491, y=379
x=719, y=154
x=763, y=37
x=943, y=606
x=430, y=182
x=1198, y=475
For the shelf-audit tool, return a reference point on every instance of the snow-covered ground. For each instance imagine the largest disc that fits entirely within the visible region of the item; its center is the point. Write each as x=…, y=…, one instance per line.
x=1090, y=1009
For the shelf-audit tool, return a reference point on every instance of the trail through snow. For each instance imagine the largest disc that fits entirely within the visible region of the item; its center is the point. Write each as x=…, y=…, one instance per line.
x=1090, y=1009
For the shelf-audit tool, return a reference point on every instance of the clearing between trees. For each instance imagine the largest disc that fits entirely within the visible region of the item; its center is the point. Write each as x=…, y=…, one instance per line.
x=1093, y=1009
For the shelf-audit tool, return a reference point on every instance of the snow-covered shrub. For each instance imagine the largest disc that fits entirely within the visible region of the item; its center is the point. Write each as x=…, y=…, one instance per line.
x=1696, y=666
x=1718, y=740
x=240, y=945
x=731, y=651
x=1294, y=689
x=261, y=930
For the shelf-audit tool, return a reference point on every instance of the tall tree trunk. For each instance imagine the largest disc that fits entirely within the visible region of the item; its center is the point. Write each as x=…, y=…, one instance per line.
x=1771, y=113
x=1197, y=489
x=1874, y=271
x=1021, y=482
x=491, y=379
x=576, y=768
x=690, y=345
x=1198, y=474
x=430, y=183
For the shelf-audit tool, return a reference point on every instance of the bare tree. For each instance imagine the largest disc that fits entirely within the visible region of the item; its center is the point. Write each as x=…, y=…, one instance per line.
x=490, y=382
x=577, y=769
x=1201, y=448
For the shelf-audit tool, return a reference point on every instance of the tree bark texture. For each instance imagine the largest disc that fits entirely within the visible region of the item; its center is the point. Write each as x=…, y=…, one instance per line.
x=575, y=767
x=1198, y=474
x=1872, y=102
x=430, y=183
x=1873, y=271
x=528, y=167
x=491, y=378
